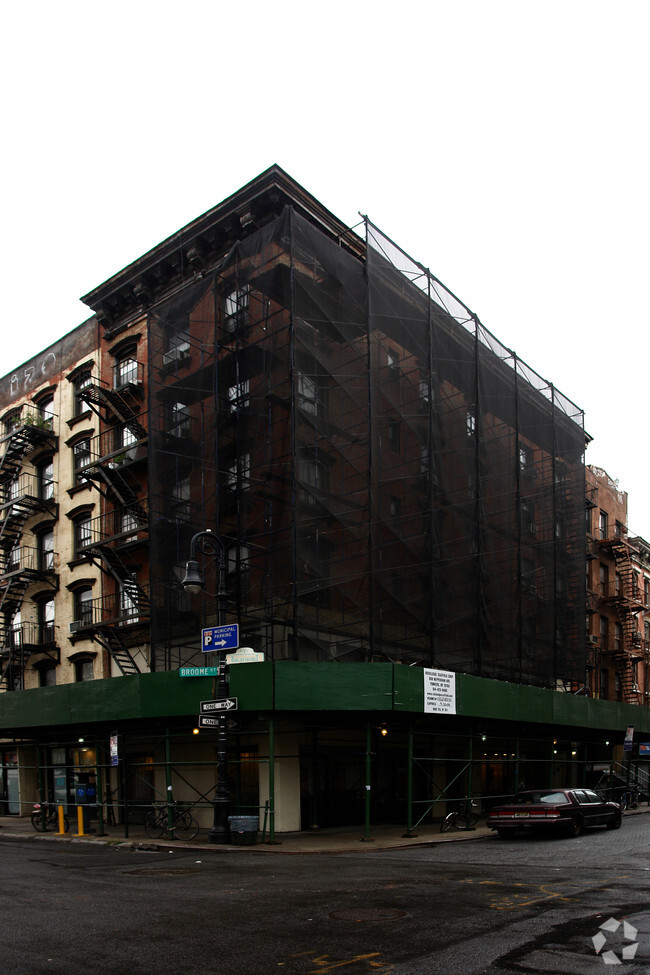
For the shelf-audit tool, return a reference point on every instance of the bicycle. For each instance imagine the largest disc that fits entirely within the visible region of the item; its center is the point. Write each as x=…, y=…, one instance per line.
x=49, y=812
x=183, y=824
x=629, y=799
x=467, y=818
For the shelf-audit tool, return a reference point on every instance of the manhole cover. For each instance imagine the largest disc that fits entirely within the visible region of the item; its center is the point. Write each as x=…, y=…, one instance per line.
x=368, y=914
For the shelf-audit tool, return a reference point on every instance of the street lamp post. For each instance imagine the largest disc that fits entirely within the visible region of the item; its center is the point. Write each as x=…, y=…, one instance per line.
x=210, y=544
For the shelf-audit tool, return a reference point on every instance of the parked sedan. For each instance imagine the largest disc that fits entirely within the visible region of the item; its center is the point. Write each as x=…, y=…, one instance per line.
x=566, y=811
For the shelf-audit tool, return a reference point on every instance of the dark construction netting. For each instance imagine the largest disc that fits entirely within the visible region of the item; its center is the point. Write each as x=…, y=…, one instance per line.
x=389, y=482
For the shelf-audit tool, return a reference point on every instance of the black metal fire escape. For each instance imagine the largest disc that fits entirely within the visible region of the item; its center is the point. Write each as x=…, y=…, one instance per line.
x=20, y=565
x=628, y=603
x=116, y=619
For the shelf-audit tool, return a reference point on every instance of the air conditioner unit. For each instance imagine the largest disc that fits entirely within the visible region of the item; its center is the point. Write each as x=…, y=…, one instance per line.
x=593, y=639
x=75, y=626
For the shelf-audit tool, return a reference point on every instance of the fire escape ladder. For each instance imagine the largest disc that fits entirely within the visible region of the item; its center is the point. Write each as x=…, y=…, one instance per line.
x=22, y=439
x=108, y=560
x=110, y=639
x=116, y=404
x=12, y=526
x=113, y=485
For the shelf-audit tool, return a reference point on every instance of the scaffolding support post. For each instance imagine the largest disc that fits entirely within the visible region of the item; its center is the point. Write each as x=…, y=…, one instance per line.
x=366, y=830
x=409, y=785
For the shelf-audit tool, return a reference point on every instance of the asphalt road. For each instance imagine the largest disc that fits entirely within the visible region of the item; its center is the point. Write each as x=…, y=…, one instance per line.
x=487, y=906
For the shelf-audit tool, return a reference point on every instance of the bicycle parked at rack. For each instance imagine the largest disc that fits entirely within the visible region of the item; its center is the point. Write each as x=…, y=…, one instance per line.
x=464, y=818
x=629, y=799
x=48, y=813
x=157, y=821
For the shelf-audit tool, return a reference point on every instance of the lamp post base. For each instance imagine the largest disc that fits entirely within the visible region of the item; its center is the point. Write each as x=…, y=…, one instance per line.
x=220, y=830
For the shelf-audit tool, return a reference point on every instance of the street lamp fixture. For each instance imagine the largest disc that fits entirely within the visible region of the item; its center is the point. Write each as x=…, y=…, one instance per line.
x=193, y=583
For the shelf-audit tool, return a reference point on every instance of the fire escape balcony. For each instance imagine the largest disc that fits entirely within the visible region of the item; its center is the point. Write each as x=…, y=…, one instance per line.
x=114, y=609
x=126, y=525
x=115, y=621
x=120, y=401
x=26, y=430
x=25, y=560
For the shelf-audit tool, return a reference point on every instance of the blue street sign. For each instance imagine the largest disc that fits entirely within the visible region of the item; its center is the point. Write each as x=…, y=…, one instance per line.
x=220, y=638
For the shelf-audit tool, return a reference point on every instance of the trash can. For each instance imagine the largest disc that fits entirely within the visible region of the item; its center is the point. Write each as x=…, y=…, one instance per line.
x=243, y=830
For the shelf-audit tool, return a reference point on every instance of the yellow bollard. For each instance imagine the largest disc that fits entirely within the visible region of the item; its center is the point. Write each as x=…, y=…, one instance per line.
x=80, y=821
x=61, y=820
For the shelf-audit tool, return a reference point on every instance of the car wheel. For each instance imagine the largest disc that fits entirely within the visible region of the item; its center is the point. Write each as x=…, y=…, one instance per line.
x=615, y=823
x=506, y=834
x=576, y=826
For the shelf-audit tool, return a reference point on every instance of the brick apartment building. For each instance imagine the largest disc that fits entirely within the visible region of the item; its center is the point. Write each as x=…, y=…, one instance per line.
x=399, y=507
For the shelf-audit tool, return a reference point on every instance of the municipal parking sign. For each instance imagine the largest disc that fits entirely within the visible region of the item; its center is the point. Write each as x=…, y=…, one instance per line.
x=220, y=638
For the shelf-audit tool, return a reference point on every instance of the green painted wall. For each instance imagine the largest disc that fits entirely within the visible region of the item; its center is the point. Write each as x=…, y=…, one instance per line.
x=297, y=686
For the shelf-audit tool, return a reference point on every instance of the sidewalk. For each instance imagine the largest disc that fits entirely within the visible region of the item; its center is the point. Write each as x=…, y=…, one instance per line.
x=318, y=841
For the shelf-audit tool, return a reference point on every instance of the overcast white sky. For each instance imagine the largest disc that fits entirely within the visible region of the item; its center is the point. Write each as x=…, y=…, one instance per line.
x=503, y=144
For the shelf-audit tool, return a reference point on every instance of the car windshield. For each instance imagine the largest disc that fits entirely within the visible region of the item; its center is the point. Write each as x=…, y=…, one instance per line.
x=546, y=796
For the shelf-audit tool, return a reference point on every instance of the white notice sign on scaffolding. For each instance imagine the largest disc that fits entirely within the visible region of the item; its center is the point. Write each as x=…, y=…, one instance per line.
x=439, y=691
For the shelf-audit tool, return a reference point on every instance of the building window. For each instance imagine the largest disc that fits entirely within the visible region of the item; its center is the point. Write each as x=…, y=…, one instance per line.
x=313, y=475
x=79, y=384
x=178, y=419
x=392, y=362
x=129, y=600
x=307, y=394
x=646, y=634
x=470, y=423
x=46, y=413
x=604, y=580
x=523, y=459
x=83, y=606
x=180, y=497
x=12, y=420
x=47, y=676
x=236, y=309
x=646, y=591
x=126, y=371
x=602, y=524
x=46, y=621
x=83, y=533
x=238, y=395
x=128, y=523
x=395, y=435
x=239, y=473
x=178, y=350
x=84, y=669
x=604, y=685
x=81, y=456
x=395, y=507
x=46, y=551
x=604, y=633
x=46, y=480
x=618, y=637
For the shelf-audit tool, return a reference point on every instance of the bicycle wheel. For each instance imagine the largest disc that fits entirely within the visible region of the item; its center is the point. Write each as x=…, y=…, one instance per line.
x=37, y=822
x=185, y=826
x=154, y=826
x=448, y=822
